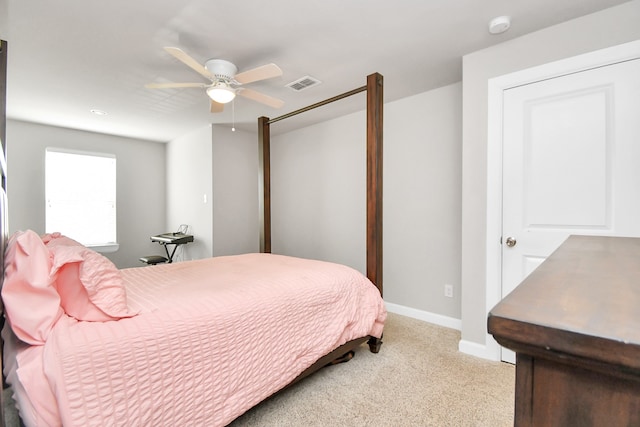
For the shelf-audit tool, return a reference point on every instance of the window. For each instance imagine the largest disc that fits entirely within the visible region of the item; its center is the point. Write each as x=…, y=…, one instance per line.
x=80, y=192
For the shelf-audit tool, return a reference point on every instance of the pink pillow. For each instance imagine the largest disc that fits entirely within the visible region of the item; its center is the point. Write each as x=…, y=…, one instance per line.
x=57, y=239
x=90, y=286
x=32, y=304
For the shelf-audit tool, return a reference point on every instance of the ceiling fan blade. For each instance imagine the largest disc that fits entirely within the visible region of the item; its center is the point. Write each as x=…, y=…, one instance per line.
x=189, y=61
x=260, y=73
x=260, y=97
x=173, y=85
x=216, y=107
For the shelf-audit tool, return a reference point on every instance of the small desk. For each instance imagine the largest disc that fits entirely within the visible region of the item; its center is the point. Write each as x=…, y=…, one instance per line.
x=166, y=239
x=574, y=324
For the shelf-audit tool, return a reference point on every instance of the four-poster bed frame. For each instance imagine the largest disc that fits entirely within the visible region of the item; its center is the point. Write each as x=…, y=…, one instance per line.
x=374, y=89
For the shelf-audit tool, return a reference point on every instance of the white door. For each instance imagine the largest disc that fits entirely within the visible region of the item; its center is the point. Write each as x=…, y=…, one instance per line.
x=571, y=164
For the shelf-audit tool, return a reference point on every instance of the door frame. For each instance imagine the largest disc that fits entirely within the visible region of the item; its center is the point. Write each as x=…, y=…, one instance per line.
x=496, y=87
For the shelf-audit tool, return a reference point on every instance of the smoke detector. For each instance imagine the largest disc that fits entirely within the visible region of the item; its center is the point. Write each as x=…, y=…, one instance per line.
x=499, y=25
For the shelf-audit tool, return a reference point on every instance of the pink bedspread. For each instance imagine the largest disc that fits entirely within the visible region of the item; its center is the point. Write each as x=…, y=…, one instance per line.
x=213, y=338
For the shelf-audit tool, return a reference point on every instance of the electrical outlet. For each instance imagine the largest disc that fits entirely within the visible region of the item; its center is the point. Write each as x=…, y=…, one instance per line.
x=448, y=291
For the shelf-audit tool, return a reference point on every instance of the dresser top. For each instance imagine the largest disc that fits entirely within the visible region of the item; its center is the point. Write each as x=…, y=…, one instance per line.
x=583, y=300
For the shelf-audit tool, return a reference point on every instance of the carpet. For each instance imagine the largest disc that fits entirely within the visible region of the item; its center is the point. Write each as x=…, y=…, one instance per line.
x=419, y=378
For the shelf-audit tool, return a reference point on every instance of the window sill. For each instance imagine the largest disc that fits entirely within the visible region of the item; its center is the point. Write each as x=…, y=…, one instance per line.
x=106, y=248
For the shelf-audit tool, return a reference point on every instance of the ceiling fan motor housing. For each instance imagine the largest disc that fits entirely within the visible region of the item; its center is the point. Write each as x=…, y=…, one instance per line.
x=221, y=69
x=222, y=75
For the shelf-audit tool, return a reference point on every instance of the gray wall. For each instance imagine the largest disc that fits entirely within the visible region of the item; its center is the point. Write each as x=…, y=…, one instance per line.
x=435, y=189
x=318, y=192
x=235, y=192
x=159, y=187
x=592, y=32
x=319, y=203
x=212, y=185
x=140, y=183
x=318, y=184
x=422, y=201
x=4, y=17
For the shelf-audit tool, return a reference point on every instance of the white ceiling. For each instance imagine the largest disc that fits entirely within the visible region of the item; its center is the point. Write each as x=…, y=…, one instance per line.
x=67, y=57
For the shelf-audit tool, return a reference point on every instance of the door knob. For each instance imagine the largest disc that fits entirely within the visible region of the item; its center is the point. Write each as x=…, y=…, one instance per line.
x=511, y=242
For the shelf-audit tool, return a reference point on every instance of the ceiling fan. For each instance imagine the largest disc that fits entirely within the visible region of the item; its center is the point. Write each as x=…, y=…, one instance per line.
x=224, y=80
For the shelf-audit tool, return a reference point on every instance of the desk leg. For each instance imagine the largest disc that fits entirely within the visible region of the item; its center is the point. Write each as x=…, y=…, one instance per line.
x=170, y=255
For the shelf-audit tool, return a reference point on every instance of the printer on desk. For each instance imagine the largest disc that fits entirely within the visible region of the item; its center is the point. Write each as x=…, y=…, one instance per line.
x=176, y=239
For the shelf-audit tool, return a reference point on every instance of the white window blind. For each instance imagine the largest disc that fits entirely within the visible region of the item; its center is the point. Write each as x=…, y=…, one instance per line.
x=81, y=196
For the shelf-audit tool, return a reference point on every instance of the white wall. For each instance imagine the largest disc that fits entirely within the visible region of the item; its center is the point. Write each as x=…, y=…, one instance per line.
x=140, y=183
x=319, y=202
x=592, y=32
x=220, y=166
x=190, y=191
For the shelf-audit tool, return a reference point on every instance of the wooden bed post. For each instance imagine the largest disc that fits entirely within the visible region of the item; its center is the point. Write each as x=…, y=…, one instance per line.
x=374, y=89
x=3, y=184
x=374, y=178
x=264, y=184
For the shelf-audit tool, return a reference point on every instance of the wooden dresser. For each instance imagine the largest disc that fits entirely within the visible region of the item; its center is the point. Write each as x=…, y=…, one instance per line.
x=574, y=324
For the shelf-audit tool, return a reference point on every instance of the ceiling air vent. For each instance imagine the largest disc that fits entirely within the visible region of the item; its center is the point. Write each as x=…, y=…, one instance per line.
x=303, y=83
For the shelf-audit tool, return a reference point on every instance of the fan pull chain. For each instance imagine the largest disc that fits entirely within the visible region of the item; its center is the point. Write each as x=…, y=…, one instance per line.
x=233, y=116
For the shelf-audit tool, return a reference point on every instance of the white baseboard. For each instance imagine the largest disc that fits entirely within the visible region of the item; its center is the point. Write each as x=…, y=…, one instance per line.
x=436, y=319
x=467, y=347
x=477, y=350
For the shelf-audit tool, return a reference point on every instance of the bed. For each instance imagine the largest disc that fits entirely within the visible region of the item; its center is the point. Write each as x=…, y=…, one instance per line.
x=190, y=343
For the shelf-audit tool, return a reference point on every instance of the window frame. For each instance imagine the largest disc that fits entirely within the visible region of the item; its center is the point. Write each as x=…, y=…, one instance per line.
x=104, y=247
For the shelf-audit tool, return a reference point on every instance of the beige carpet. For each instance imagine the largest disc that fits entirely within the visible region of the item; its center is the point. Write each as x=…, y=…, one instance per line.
x=418, y=379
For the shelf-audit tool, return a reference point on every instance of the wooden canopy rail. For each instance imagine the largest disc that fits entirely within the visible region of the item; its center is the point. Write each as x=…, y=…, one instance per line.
x=374, y=89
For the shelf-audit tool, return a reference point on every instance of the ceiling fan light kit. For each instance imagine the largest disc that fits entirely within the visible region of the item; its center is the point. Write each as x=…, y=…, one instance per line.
x=221, y=93
x=225, y=81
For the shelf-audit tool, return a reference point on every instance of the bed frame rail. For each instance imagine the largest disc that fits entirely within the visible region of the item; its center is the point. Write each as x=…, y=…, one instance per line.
x=337, y=355
x=374, y=89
